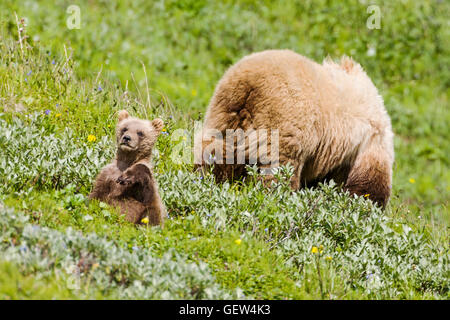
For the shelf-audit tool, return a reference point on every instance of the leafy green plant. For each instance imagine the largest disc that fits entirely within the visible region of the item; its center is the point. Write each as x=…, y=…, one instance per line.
x=87, y=263
x=59, y=94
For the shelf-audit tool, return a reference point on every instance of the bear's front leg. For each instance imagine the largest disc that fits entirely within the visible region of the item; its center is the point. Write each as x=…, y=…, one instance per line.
x=133, y=175
x=102, y=186
x=136, y=174
x=126, y=179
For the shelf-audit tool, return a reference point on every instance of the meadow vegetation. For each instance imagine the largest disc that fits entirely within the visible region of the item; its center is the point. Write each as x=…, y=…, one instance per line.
x=60, y=91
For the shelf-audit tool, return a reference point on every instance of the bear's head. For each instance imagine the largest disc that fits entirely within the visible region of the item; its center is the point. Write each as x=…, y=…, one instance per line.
x=136, y=137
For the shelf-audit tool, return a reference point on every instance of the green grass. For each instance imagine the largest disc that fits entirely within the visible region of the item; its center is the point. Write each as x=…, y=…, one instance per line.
x=15, y=285
x=82, y=77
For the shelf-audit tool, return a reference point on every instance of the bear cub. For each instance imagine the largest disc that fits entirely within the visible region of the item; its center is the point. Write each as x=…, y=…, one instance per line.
x=128, y=181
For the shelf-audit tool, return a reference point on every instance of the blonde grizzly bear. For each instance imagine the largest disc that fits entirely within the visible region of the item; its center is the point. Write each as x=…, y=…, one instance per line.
x=128, y=181
x=330, y=120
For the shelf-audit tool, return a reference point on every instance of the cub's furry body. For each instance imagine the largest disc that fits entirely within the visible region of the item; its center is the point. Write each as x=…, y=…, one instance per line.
x=331, y=120
x=128, y=181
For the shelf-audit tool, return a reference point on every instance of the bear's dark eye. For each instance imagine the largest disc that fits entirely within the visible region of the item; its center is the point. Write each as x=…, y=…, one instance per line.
x=124, y=130
x=140, y=134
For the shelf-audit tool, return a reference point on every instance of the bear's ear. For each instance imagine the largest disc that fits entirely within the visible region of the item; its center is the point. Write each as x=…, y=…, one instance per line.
x=123, y=114
x=158, y=124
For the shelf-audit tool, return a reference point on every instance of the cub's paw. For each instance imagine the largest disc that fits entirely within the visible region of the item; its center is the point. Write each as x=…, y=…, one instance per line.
x=125, y=180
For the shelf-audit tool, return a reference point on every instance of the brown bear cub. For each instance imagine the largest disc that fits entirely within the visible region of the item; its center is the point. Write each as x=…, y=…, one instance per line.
x=128, y=181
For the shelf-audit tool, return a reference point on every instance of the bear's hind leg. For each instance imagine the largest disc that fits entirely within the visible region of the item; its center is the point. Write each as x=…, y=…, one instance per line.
x=371, y=175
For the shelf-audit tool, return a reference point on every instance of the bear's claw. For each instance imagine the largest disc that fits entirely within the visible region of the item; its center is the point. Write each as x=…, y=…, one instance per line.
x=124, y=180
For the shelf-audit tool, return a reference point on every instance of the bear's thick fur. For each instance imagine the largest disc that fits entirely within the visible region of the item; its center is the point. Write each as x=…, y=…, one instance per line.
x=331, y=121
x=128, y=181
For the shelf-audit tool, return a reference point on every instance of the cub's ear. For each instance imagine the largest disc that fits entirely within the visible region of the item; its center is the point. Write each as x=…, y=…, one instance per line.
x=158, y=124
x=123, y=114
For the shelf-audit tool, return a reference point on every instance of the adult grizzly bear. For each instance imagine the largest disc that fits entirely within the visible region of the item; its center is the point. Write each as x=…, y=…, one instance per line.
x=128, y=181
x=331, y=121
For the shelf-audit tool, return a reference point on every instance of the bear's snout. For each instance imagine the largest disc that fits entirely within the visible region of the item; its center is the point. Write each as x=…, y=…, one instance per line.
x=128, y=143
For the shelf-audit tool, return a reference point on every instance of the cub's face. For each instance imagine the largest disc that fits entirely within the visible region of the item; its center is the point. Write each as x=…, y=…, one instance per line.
x=136, y=136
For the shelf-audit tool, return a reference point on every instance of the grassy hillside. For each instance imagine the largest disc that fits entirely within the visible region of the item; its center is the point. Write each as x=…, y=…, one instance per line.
x=59, y=86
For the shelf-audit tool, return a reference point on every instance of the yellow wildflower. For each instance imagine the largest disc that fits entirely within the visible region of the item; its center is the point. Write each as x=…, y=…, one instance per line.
x=58, y=115
x=412, y=180
x=238, y=241
x=328, y=258
x=314, y=250
x=367, y=195
x=92, y=138
x=194, y=92
x=145, y=220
